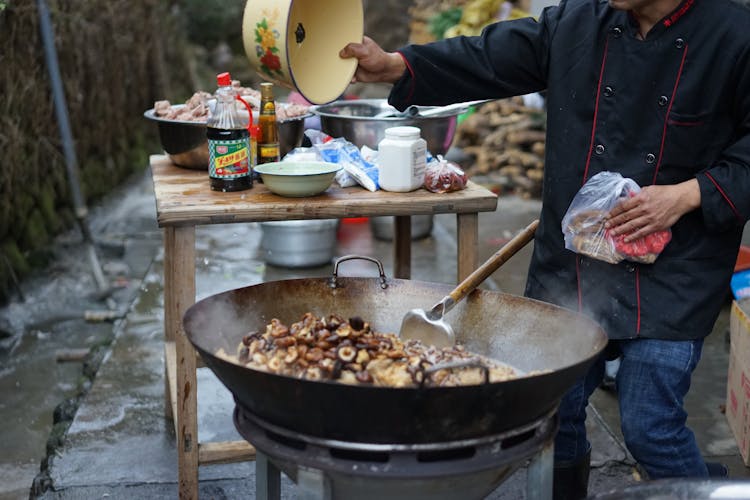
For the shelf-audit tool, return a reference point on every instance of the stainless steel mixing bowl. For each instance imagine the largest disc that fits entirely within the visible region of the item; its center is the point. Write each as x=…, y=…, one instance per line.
x=357, y=121
x=186, y=145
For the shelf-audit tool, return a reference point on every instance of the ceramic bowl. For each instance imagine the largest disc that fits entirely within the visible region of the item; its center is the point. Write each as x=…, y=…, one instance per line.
x=296, y=43
x=297, y=179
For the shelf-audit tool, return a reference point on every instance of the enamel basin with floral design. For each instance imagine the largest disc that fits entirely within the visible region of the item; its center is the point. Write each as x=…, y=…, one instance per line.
x=296, y=43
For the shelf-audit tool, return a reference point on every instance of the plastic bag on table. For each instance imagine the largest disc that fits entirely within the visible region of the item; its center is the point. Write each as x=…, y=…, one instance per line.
x=317, y=138
x=443, y=176
x=302, y=154
x=340, y=151
x=583, y=223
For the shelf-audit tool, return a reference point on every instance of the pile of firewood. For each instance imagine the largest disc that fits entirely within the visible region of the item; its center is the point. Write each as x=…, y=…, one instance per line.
x=503, y=140
x=503, y=143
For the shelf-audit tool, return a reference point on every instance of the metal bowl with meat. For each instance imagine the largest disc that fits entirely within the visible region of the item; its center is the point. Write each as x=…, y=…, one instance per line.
x=182, y=130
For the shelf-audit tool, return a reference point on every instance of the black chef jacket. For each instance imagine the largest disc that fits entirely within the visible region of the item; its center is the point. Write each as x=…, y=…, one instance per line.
x=663, y=110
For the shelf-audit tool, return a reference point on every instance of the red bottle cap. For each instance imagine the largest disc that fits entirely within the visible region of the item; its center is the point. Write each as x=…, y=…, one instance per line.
x=223, y=79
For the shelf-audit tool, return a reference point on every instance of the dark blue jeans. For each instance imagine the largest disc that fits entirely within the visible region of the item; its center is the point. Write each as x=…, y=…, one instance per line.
x=652, y=381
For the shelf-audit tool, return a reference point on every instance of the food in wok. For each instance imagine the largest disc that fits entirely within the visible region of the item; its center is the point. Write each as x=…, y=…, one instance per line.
x=350, y=352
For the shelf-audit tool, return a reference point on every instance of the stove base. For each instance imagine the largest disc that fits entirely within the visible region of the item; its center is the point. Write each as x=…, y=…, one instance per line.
x=328, y=470
x=314, y=484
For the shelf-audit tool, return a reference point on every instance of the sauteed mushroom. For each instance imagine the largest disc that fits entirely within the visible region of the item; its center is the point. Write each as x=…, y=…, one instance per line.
x=350, y=352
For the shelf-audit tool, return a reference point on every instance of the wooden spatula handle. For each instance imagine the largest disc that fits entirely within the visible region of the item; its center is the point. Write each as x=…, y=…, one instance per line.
x=493, y=263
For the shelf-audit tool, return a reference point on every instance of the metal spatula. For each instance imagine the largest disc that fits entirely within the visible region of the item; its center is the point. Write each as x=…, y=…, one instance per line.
x=429, y=326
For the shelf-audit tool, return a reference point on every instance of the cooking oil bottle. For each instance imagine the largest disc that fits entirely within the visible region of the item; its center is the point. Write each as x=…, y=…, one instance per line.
x=268, y=144
x=230, y=157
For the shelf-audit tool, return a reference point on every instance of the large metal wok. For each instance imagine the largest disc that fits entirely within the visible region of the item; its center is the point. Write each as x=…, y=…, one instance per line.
x=529, y=335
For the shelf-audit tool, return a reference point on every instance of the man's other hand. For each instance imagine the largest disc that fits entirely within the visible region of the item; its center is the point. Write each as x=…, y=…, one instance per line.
x=654, y=208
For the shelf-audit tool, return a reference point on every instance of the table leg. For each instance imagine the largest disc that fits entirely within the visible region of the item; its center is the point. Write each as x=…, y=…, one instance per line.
x=402, y=247
x=179, y=294
x=168, y=235
x=467, y=228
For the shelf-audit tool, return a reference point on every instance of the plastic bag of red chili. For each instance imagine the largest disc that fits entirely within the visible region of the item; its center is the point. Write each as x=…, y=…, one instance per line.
x=443, y=176
x=583, y=223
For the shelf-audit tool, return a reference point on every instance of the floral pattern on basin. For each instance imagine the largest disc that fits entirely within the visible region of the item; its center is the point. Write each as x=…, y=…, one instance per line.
x=273, y=32
x=266, y=50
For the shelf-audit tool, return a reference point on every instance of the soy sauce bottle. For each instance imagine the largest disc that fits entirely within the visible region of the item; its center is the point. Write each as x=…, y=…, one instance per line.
x=230, y=157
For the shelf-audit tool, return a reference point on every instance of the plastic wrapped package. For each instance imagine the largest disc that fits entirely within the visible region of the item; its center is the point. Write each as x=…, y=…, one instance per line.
x=443, y=176
x=583, y=223
x=356, y=169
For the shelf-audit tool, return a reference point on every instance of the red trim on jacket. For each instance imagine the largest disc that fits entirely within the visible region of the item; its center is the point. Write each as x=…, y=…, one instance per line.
x=669, y=110
x=596, y=112
x=726, y=197
x=411, y=72
x=676, y=15
x=588, y=159
x=685, y=124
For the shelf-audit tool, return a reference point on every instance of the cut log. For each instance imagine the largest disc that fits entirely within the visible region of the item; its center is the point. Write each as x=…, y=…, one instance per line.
x=71, y=355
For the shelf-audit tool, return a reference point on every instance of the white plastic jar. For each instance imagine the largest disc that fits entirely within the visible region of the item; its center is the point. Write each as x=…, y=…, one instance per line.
x=402, y=155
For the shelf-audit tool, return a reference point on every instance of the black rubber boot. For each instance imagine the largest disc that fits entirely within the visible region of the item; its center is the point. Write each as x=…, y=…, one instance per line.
x=717, y=469
x=571, y=481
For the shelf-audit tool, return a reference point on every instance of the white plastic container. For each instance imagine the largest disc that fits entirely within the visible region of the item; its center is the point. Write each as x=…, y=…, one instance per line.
x=401, y=159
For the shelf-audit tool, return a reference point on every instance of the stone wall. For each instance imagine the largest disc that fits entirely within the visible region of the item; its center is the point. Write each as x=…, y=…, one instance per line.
x=115, y=57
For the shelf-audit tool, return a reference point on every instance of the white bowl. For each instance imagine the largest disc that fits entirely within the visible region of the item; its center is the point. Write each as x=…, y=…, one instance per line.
x=297, y=179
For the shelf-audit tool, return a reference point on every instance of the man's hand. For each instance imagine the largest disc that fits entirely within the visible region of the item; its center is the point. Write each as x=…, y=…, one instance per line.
x=654, y=208
x=375, y=64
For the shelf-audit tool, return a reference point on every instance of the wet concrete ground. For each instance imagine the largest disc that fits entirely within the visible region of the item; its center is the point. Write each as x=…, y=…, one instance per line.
x=47, y=316
x=119, y=444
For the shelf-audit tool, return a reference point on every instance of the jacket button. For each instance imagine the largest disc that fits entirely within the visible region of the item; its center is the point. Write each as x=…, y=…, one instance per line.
x=679, y=43
x=599, y=149
x=650, y=158
x=617, y=31
x=630, y=267
x=663, y=100
x=608, y=91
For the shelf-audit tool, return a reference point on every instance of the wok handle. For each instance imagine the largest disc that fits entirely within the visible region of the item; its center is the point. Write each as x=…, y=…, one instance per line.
x=333, y=281
x=491, y=265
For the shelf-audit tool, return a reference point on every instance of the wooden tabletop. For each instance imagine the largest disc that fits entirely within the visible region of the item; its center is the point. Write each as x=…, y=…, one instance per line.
x=183, y=198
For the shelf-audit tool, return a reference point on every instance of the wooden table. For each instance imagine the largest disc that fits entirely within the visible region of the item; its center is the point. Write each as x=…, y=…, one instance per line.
x=184, y=200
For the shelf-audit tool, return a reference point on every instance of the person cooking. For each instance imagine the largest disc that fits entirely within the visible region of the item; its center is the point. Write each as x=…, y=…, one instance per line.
x=659, y=91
